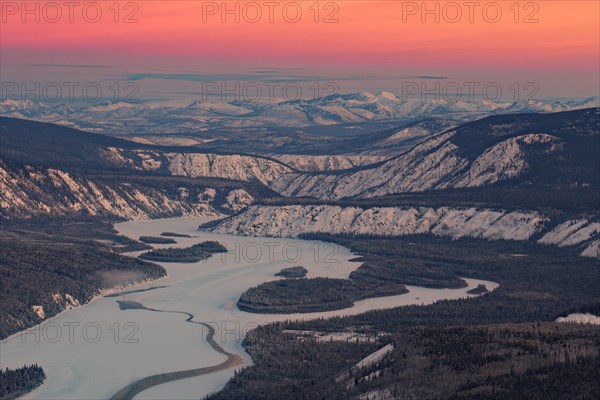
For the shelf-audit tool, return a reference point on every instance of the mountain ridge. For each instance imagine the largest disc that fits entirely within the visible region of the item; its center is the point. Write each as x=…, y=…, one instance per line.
x=516, y=149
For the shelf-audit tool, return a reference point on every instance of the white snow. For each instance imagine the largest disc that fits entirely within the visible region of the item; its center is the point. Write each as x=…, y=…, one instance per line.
x=236, y=167
x=384, y=394
x=572, y=232
x=133, y=118
x=291, y=221
x=326, y=162
x=19, y=188
x=207, y=196
x=593, y=250
x=576, y=232
x=583, y=234
x=352, y=337
x=39, y=310
x=563, y=231
x=238, y=200
x=375, y=357
x=505, y=160
x=72, y=301
x=580, y=319
x=436, y=163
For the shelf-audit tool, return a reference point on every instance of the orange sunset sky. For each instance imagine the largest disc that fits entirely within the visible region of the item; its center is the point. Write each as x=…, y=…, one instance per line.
x=363, y=45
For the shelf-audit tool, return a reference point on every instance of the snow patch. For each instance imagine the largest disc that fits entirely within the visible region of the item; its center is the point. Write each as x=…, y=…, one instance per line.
x=580, y=319
x=235, y=167
x=39, y=310
x=576, y=232
x=593, y=250
x=238, y=200
x=71, y=301
x=375, y=357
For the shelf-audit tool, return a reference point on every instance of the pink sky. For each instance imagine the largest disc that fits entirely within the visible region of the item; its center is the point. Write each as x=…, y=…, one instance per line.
x=378, y=41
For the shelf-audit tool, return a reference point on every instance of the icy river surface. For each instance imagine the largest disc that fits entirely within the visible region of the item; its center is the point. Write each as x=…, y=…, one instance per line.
x=95, y=350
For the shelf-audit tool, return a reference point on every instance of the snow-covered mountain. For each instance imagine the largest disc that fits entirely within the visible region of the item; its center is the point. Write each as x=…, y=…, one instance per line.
x=516, y=148
x=292, y=221
x=435, y=164
x=47, y=145
x=326, y=163
x=53, y=170
x=491, y=224
x=199, y=116
x=576, y=232
x=27, y=192
x=558, y=150
x=535, y=148
x=235, y=167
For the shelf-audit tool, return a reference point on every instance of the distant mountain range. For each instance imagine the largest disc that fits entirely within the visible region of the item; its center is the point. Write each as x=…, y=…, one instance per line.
x=205, y=116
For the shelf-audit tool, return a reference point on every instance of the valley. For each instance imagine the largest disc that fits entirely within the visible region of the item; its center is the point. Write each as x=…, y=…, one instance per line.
x=336, y=200
x=208, y=290
x=484, y=228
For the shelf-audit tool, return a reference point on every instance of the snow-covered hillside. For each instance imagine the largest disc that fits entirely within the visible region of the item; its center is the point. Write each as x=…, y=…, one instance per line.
x=593, y=250
x=327, y=162
x=437, y=163
x=580, y=319
x=234, y=167
x=238, y=200
x=576, y=233
x=30, y=192
x=291, y=221
x=572, y=232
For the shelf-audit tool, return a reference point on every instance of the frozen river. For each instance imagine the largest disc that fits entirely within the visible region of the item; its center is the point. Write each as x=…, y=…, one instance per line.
x=93, y=351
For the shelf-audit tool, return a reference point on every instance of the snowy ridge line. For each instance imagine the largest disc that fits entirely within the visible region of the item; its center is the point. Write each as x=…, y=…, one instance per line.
x=325, y=111
x=572, y=232
x=434, y=164
x=241, y=167
x=375, y=357
x=295, y=220
x=576, y=232
x=292, y=221
x=26, y=192
x=366, y=362
x=370, y=162
x=316, y=163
